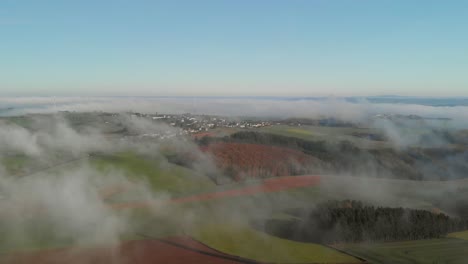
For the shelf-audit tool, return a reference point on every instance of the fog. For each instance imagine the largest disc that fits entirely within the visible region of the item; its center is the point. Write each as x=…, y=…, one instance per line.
x=64, y=196
x=69, y=202
x=336, y=107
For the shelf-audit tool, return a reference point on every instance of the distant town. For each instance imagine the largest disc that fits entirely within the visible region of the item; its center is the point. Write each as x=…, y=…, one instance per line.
x=193, y=124
x=199, y=125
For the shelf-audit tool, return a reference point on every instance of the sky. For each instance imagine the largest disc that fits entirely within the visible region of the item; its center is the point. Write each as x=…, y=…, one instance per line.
x=237, y=47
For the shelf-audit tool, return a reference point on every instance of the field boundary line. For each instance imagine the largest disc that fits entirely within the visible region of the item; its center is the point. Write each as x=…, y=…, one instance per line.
x=224, y=256
x=344, y=252
x=241, y=259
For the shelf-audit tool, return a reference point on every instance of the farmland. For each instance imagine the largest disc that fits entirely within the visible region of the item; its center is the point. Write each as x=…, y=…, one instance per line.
x=446, y=250
x=331, y=134
x=217, y=191
x=224, y=132
x=459, y=235
x=247, y=243
x=133, y=251
x=268, y=185
x=159, y=174
x=252, y=160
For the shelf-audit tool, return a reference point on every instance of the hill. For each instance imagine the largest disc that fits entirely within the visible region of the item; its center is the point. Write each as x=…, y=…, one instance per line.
x=242, y=160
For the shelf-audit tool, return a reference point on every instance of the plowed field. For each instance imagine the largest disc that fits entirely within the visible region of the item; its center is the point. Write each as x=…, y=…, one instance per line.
x=268, y=185
x=240, y=160
x=265, y=186
x=130, y=252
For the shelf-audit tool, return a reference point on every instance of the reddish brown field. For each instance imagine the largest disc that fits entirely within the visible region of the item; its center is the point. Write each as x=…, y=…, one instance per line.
x=240, y=160
x=129, y=252
x=265, y=186
x=268, y=185
x=170, y=250
x=110, y=191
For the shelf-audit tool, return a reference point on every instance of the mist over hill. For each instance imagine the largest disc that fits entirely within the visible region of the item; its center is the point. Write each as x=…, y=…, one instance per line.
x=347, y=108
x=74, y=165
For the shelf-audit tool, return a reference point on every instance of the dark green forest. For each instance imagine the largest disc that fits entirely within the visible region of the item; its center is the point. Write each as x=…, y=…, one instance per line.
x=353, y=221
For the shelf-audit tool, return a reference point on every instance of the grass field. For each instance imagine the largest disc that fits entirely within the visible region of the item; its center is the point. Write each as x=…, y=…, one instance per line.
x=434, y=251
x=14, y=164
x=331, y=134
x=36, y=240
x=248, y=243
x=459, y=235
x=300, y=131
x=22, y=121
x=162, y=177
x=243, y=240
x=169, y=178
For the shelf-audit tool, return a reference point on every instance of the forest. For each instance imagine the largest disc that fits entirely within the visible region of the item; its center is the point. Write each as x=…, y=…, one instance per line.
x=345, y=157
x=353, y=221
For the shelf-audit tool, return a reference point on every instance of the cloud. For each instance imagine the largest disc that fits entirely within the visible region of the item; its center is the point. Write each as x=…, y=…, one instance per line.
x=68, y=203
x=65, y=203
x=270, y=107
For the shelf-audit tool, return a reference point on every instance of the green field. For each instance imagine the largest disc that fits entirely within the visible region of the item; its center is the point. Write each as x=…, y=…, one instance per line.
x=241, y=239
x=434, y=251
x=15, y=164
x=331, y=134
x=460, y=235
x=160, y=175
x=247, y=243
x=300, y=131
x=170, y=178
x=123, y=168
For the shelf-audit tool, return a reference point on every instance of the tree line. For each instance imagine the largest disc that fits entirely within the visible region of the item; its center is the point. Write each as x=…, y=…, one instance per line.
x=352, y=221
x=343, y=156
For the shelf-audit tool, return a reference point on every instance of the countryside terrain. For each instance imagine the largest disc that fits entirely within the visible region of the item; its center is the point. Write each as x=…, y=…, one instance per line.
x=127, y=188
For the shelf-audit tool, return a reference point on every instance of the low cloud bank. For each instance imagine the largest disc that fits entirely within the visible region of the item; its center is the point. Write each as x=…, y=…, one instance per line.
x=70, y=201
x=341, y=108
x=66, y=202
x=401, y=132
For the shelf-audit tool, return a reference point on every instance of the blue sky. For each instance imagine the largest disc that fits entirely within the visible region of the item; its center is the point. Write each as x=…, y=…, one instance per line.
x=237, y=47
